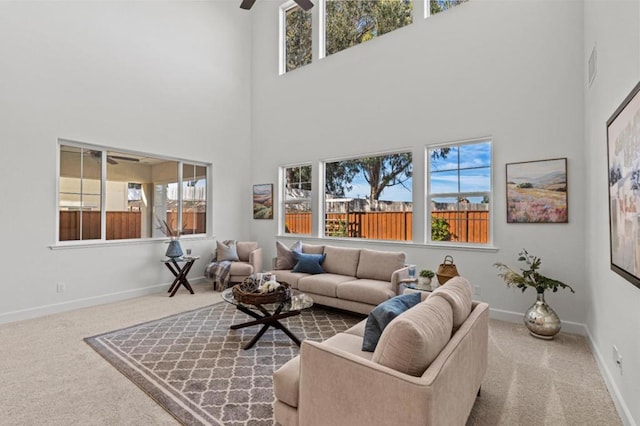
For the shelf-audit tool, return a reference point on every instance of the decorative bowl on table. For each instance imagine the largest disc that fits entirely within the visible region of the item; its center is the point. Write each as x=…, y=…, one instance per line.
x=255, y=292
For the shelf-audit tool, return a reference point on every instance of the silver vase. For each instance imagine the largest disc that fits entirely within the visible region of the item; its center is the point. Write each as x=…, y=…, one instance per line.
x=541, y=320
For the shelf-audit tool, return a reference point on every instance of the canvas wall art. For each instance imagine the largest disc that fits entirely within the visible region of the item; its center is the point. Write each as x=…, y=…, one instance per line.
x=537, y=191
x=623, y=153
x=263, y=201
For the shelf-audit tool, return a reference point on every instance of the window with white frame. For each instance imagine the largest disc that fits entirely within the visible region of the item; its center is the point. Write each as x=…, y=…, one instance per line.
x=118, y=195
x=297, y=199
x=459, y=192
x=349, y=23
x=295, y=37
x=369, y=197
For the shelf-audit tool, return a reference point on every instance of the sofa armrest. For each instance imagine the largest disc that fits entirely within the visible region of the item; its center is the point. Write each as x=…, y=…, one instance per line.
x=358, y=391
x=255, y=259
x=397, y=276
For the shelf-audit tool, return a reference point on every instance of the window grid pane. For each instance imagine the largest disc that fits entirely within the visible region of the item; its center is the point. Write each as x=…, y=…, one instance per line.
x=460, y=199
x=297, y=200
x=298, y=44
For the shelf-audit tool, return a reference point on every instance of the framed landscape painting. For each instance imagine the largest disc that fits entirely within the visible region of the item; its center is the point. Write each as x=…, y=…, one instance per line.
x=263, y=201
x=537, y=191
x=623, y=155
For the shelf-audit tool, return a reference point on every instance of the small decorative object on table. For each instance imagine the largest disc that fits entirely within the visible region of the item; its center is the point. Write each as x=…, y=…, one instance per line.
x=425, y=277
x=254, y=292
x=447, y=270
x=540, y=319
x=174, y=250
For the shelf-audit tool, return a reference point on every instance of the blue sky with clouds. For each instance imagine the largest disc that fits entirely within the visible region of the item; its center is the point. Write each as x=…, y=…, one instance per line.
x=475, y=175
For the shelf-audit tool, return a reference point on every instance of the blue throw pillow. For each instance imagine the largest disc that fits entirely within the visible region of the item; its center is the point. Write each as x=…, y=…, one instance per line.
x=383, y=314
x=308, y=263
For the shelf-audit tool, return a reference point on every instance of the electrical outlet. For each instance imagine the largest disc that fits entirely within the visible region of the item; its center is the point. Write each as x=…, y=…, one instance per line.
x=60, y=288
x=617, y=358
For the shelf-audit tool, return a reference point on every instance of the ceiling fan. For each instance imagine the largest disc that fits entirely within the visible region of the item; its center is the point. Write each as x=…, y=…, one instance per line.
x=112, y=159
x=304, y=4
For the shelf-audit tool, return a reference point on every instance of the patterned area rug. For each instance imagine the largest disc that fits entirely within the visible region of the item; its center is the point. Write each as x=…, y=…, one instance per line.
x=194, y=366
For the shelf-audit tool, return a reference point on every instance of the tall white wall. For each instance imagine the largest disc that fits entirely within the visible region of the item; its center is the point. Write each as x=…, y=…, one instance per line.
x=509, y=70
x=169, y=78
x=612, y=302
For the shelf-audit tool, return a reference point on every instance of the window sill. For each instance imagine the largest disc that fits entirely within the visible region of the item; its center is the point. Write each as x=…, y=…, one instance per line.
x=328, y=240
x=66, y=245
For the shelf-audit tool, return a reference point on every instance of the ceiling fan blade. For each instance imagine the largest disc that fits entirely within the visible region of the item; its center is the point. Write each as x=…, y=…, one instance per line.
x=246, y=4
x=304, y=4
x=120, y=157
x=111, y=160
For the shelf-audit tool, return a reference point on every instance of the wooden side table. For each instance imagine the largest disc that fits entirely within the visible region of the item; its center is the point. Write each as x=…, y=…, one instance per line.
x=179, y=272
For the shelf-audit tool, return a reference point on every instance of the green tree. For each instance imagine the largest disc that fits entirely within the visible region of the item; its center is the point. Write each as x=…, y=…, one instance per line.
x=440, y=229
x=350, y=23
x=298, y=177
x=437, y=6
x=380, y=172
x=298, y=38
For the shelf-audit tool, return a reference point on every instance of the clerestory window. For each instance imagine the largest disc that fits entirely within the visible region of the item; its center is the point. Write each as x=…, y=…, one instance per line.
x=349, y=23
x=295, y=37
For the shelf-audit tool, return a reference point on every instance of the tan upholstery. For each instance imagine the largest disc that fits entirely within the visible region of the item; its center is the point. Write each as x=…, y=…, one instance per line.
x=373, y=292
x=457, y=291
x=413, y=340
x=324, y=284
x=312, y=249
x=348, y=283
x=358, y=329
x=245, y=248
x=379, y=265
x=252, y=264
x=362, y=392
x=340, y=260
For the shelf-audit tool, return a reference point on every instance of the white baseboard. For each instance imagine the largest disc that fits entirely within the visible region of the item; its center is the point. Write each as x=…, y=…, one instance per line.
x=607, y=375
x=517, y=317
x=583, y=330
x=69, y=305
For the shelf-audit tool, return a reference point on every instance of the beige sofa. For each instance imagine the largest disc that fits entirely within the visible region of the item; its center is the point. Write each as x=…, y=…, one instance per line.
x=355, y=280
x=426, y=369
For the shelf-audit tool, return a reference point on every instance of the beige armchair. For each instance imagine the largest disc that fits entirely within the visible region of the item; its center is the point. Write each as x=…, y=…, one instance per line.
x=250, y=262
x=233, y=262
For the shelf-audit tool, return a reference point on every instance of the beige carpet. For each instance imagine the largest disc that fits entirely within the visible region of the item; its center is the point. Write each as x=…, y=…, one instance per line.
x=51, y=376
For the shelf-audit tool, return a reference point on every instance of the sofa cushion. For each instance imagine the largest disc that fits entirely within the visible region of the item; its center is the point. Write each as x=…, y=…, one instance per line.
x=457, y=291
x=245, y=248
x=324, y=284
x=379, y=265
x=286, y=382
x=415, y=338
x=240, y=268
x=289, y=277
x=358, y=329
x=340, y=260
x=372, y=292
x=284, y=255
x=308, y=263
x=350, y=343
x=226, y=251
x=382, y=315
x=313, y=249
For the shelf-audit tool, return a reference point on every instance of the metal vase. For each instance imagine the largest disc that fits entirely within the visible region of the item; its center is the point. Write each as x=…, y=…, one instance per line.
x=174, y=249
x=541, y=320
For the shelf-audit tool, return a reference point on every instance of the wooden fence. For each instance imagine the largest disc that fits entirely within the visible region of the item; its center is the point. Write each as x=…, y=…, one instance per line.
x=464, y=226
x=120, y=225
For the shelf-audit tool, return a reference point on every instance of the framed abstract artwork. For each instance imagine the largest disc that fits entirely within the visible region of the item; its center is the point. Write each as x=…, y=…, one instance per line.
x=263, y=201
x=623, y=157
x=537, y=191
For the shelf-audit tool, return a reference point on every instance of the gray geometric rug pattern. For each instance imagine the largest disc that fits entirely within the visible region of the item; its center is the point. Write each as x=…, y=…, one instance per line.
x=194, y=366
